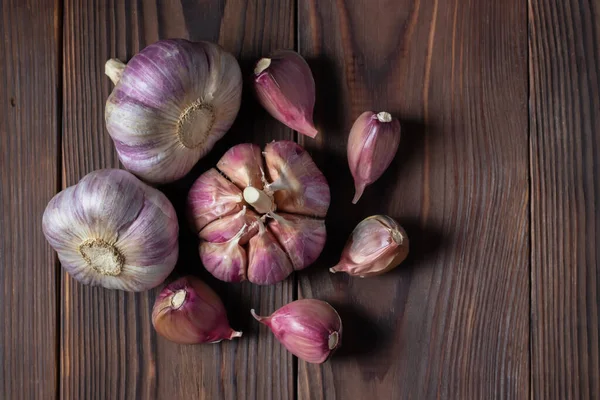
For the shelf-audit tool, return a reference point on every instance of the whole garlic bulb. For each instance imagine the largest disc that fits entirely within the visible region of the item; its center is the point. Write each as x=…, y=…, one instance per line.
x=171, y=103
x=259, y=220
x=112, y=230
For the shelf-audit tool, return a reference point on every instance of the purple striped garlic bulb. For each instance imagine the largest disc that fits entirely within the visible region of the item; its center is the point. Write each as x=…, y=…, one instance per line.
x=171, y=103
x=310, y=329
x=260, y=219
x=112, y=230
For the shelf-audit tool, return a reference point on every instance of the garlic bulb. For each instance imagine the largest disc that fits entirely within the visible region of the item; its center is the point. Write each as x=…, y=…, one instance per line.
x=310, y=329
x=377, y=245
x=171, y=103
x=372, y=145
x=260, y=220
x=285, y=87
x=188, y=311
x=112, y=230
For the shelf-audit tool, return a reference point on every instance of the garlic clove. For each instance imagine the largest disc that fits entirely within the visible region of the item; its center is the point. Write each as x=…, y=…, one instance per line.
x=299, y=186
x=242, y=164
x=188, y=311
x=302, y=238
x=310, y=329
x=171, y=103
x=225, y=261
x=267, y=262
x=372, y=145
x=112, y=230
x=212, y=196
x=377, y=245
x=285, y=87
x=224, y=229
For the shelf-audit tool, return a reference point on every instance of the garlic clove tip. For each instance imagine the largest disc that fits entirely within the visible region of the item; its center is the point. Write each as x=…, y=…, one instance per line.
x=333, y=340
x=360, y=189
x=261, y=65
x=235, y=334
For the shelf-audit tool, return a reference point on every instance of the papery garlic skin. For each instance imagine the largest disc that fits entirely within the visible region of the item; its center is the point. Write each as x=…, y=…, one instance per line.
x=377, y=245
x=310, y=329
x=372, y=145
x=112, y=230
x=267, y=261
x=254, y=200
x=188, y=311
x=170, y=104
x=285, y=87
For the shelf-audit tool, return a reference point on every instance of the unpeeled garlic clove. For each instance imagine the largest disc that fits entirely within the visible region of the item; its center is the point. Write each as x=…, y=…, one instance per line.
x=299, y=186
x=188, y=311
x=225, y=261
x=242, y=164
x=224, y=229
x=372, y=145
x=286, y=89
x=212, y=196
x=302, y=238
x=310, y=329
x=267, y=262
x=377, y=245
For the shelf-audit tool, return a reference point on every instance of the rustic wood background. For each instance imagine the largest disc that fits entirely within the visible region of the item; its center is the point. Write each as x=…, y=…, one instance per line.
x=497, y=183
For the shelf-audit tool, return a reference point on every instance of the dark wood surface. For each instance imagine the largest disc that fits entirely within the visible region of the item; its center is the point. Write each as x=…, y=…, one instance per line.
x=565, y=202
x=496, y=183
x=29, y=174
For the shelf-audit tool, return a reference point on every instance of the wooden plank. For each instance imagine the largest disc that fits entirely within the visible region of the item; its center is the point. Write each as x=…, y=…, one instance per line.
x=109, y=349
x=29, y=136
x=453, y=321
x=565, y=148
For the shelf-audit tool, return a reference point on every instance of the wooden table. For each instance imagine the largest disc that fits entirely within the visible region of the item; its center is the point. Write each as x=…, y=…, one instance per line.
x=497, y=184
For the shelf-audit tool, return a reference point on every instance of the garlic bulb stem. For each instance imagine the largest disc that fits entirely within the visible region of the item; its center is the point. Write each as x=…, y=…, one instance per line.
x=114, y=69
x=258, y=199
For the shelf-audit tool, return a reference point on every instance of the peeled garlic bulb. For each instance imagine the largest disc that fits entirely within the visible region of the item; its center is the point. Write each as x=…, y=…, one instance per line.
x=256, y=226
x=310, y=329
x=188, y=311
x=377, y=245
x=112, y=230
x=171, y=103
x=372, y=145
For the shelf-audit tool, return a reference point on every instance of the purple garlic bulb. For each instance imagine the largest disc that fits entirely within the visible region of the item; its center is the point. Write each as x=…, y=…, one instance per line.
x=113, y=230
x=171, y=103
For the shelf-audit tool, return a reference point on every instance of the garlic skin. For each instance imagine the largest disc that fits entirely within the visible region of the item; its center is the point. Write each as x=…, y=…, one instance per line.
x=267, y=261
x=171, y=103
x=212, y=196
x=285, y=87
x=299, y=186
x=112, y=230
x=302, y=238
x=188, y=311
x=377, y=245
x=372, y=145
x=310, y=329
x=256, y=226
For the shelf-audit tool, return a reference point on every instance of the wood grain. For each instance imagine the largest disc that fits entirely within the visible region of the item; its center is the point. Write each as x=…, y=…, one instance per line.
x=29, y=136
x=565, y=148
x=453, y=320
x=108, y=347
